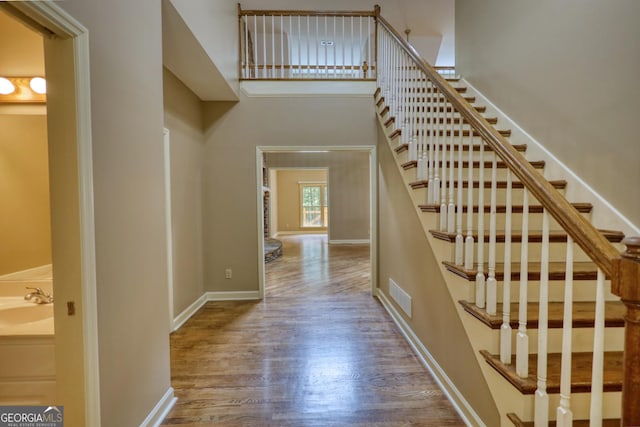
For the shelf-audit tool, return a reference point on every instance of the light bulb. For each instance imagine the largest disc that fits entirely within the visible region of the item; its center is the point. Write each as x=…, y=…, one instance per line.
x=38, y=85
x=6, y=87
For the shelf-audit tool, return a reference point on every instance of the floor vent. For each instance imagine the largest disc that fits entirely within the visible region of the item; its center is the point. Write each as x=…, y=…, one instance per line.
x=400, y=296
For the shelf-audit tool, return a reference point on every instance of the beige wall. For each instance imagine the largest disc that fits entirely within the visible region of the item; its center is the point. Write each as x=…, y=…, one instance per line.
x=288, y=190
x=127, y=143
x=21, y=49
x=404, y=254
x=25, y=230
x=566, y=72
x=232, y=133
x=183, y=118
x=348, y=188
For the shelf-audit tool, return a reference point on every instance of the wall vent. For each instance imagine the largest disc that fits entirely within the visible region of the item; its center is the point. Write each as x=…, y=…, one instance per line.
x=400, y=296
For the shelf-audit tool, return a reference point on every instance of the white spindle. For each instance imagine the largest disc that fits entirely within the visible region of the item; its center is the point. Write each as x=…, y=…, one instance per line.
x=436, y=146
x=431, y=106
x=522, y=338
x=273, y=46
x=564, y=415
x=255, y=45
x=352, y=55
x=595, y=413
x=369, y=46
x=541, y=399
x=264, y=47
x=413, y=99
x=480, y=278
x=308, y=72
x=360, y=42
x=468, y=243
x=335, y=72
x=344, y=53
x=326, y=54
x=316, y=73
x=505, y=329
x=246, y=46
x=451, y=208
x=492, y=284
x=459, y=249
x=443, y=186
x=282, y=46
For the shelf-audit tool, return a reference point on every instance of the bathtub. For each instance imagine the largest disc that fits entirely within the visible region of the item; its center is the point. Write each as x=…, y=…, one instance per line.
x=27, y=371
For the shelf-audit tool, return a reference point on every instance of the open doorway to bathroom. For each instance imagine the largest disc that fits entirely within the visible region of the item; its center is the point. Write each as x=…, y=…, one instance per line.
x=26, y=285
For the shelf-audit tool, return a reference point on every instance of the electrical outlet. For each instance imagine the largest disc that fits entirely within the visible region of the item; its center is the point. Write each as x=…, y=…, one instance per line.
x=228, y=273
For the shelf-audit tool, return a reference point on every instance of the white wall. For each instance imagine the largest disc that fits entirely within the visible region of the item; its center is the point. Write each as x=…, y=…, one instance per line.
x=565, y=72
x=127, y=142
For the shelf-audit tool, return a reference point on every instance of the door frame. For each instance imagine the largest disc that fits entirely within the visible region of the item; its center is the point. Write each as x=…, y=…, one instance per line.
x=72, y=209
x=373, y=202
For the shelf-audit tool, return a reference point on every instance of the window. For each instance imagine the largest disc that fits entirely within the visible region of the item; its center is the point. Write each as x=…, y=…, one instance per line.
x=314, y=203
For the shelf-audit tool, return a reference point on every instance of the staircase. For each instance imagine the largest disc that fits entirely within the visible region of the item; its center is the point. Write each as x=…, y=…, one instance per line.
x=543, y=302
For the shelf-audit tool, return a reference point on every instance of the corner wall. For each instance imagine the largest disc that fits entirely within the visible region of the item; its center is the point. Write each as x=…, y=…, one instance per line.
x=128, y=169
x=183, y=118
x=566, y=72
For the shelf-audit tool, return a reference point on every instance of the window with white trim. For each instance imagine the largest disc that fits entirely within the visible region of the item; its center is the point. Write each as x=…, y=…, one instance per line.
x=314, y=205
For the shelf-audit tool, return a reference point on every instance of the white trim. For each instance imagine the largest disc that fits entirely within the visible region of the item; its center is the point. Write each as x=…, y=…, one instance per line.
x=299, y=232
x=166, y=142
x=186, y=314
x=233, y=296
x=29, y=272
x=52, y=16
x=349, y=242
x=373, y=200
x=461, y=405
x=570, y=175
x=160, y=411
x=302, y=88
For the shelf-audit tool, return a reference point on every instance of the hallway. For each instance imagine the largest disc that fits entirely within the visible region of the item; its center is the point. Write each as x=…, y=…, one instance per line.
x=318, y=351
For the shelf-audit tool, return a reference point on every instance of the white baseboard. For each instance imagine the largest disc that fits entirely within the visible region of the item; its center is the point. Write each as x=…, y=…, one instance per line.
x=186, y=314
x=468, y=414
x=300, y=232
x=349, y=242
x=160, y=411
x=233, y=296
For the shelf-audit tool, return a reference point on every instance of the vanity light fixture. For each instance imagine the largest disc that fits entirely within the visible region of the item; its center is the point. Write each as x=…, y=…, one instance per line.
x=23, y=90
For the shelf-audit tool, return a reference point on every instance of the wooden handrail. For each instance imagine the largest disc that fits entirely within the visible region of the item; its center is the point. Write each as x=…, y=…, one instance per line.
x=337, y=13
x=594, y=244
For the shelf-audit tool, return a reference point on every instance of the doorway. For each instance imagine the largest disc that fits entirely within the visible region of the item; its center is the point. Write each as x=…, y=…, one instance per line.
x=348, y=224
x=66, y=50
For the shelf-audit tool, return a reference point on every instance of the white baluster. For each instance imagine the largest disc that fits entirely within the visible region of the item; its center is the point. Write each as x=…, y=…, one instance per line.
x=451, y=207
x=468, y=244
x=443, y=186
x=265, y=72
x=564, y=415
x=480, y=278
x=326, y=55
x=273, y=46
x=459, y=249
x=436, y=145
x=255, y=45
x=492, y=284
x=522, y=338
x=597, y=380
x=308, y=73
x=541, y=399
x=505, y=329
x=335, y=68
x=432, y=117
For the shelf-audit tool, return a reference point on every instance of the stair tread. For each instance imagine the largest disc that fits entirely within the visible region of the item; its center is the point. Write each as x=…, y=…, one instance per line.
x=581, y=271
x=581, y=207
x=583, y=314
x=534, y=236
x=559, y=184
x=580, y=372
x=538, y=164
x=517, y=422
x=476, y=147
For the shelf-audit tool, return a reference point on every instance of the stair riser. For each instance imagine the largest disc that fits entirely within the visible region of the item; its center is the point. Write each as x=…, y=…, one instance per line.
x=581, y=340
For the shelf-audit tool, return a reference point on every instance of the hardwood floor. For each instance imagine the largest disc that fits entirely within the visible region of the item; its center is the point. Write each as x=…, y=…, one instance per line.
x=318, y=351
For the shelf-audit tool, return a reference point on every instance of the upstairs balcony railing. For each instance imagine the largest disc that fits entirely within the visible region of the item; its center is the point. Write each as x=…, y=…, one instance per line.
x=311, y=45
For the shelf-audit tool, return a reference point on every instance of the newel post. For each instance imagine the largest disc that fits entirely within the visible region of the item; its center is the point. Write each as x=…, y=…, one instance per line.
x=625, y=282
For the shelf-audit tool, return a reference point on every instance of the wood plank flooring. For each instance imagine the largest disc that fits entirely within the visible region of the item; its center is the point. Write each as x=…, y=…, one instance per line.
x=318, y=351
